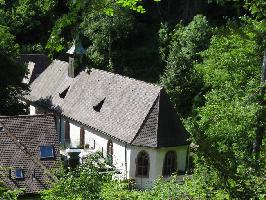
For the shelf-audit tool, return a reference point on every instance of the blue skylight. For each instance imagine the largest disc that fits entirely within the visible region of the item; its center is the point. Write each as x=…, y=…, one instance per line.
x=19, y=174
x=46, y=151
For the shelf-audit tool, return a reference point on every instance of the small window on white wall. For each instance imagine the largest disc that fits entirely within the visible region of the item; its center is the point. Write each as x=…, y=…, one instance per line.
x=67, y=131
x=82, y=137
x=169, y=164
x=142, y=164
x=110, y=152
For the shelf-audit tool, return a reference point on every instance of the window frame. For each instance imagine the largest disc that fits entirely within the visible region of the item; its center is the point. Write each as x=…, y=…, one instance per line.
x=171, y=154
x=82, y=138
x=21, y=172
x=46, y=157
x=67, y=131
x=146, y=154
x=110, y=152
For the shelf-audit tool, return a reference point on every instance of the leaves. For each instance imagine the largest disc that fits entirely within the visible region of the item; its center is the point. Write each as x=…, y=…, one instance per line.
x=226, y=125
x=180, y=79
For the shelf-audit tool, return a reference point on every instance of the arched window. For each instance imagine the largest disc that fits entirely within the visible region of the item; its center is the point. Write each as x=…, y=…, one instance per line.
x=82, y=137
x=67, y=132
x=169, y=164
x=142, y=164
x=110, y=152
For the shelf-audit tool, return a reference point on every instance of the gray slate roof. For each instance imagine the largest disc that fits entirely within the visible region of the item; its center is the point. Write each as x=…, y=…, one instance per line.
x=29, y=132
x=124, y=113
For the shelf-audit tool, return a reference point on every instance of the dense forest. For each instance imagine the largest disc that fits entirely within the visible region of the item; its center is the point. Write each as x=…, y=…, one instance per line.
x=208, y=55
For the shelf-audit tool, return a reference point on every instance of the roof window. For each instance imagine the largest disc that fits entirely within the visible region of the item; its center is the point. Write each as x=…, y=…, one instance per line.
x=63, y=94
x=19, y=173
x=2, y=128
x=98, y=107
x=46, y=152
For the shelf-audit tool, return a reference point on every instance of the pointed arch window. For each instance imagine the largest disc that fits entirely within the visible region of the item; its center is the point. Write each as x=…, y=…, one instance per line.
x=110, y=152
x=142, y=164
x=67, y=132
x=82, y=137
x=170, y=164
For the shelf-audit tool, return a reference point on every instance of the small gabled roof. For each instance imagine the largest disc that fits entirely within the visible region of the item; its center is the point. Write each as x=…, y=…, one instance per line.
x=113, y=104
x=19, y=148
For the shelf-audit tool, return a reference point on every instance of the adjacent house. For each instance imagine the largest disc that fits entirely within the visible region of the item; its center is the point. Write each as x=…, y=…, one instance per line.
x=36, y=64
x=131, y=122
x=29, y=150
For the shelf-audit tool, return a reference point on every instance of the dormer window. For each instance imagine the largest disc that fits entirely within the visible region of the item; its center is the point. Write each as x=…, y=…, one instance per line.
x=34, y=175
x=82, y=137
x=19, y=173
x=1, y=128
x=98, y=107
x=46, y=152
x=62, y=95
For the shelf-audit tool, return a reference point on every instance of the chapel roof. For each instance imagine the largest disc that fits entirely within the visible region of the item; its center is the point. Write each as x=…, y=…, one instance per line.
x=123, y=108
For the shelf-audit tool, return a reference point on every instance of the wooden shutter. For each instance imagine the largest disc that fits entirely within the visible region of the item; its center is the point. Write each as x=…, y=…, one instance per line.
x=82, y=137
x=67, y=131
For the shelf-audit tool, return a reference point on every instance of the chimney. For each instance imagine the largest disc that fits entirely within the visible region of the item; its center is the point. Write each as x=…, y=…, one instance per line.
x=75, y=57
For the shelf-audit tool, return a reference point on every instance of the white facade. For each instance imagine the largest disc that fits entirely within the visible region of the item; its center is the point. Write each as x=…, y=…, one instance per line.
x=124, y=156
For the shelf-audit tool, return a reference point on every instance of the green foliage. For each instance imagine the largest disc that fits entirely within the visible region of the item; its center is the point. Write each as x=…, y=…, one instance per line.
x=8, y=47
x=100, y=32
x=10, y=194
x=7, y=194
x=226, y=125
x=180, y=79
x=103, y=32
x=117, y=190
x=131, y=4
x=12, y=73
x=11, y=87
x=256, y=7
x=24, y=13
x=83, y=182
x=57, y=43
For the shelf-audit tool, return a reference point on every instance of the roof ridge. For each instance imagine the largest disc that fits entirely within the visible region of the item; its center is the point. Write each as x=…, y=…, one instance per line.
x=127, y=77
x=24, y=116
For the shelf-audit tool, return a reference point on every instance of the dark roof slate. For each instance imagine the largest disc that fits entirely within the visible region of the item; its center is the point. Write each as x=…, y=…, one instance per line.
x=29, y=133
x=127, y=102
x=162, y=127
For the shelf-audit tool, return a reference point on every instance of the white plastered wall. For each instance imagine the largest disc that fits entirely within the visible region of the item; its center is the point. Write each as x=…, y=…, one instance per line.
x=95, y=141
x=156, y=157
x=32, y=110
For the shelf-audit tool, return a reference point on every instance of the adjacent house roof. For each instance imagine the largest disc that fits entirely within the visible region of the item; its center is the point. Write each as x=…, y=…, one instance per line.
x=36, y=63
x=129, y=110
x=20, y=141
